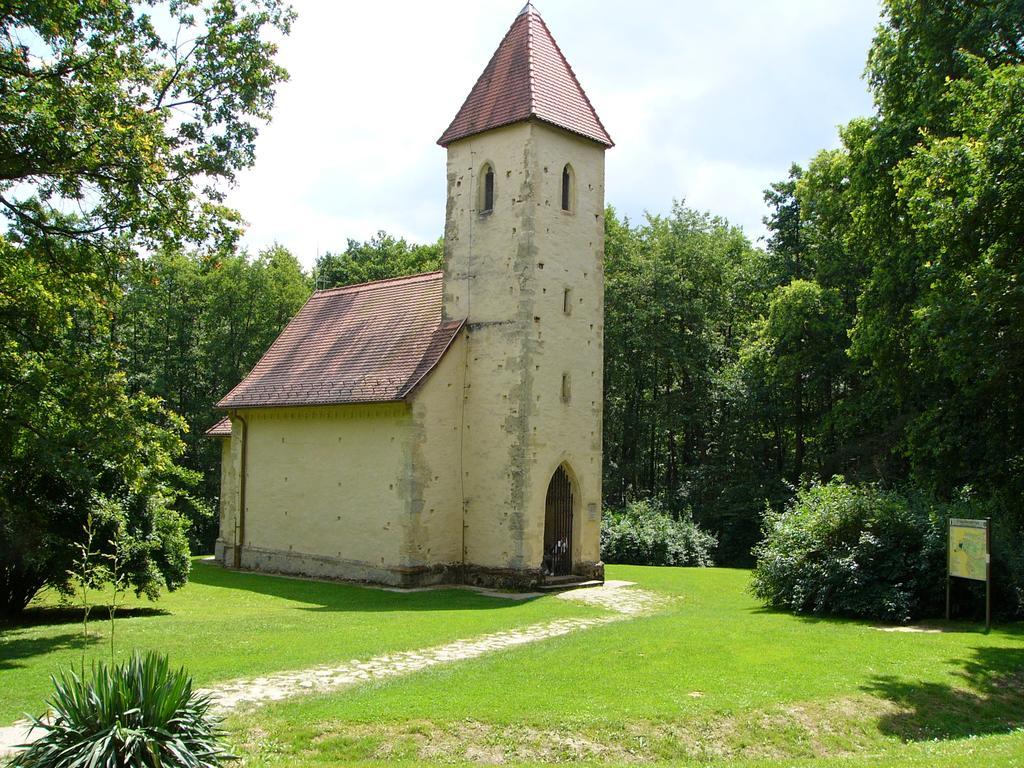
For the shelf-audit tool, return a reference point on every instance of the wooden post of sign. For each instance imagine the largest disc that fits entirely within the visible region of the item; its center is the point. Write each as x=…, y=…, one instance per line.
x=988, y=573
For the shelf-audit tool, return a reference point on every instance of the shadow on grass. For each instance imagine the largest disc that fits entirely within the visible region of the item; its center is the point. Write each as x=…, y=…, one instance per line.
x=12, y=650
x=935, y=625
x=40, y=615
x=992, y=701
x=341, y=596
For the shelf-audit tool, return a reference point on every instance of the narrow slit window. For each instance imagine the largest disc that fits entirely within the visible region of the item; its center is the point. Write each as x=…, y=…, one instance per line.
x=567, y=184
x=567, y=301
x=566, y=387
x=487, y=190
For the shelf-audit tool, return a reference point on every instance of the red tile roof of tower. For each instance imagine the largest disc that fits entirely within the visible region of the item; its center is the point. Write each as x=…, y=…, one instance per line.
x=367, y=343
x=527, y=77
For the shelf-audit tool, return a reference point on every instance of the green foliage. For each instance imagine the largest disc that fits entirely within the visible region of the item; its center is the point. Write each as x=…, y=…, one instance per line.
x=381, y=257
x=964, y=194
x=135, y=132
x=787, y=243
x=797, y=352
x=678, y=292
x=913, y=230
x=74, y=439
x=140, y=713
x=644, y=533
x=854, y=551
x=102, y=108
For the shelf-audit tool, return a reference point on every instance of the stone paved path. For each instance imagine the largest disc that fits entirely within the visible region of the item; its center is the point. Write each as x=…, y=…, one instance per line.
x=621, y=597
x=614, y=596
x=228, y=696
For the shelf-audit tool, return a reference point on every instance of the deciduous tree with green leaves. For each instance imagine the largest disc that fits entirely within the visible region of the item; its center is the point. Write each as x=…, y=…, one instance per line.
x=120, y=125
x=382, y=256
x=916, y=222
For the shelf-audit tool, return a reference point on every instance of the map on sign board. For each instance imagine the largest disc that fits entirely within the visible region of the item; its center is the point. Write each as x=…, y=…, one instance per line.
x=968, y=549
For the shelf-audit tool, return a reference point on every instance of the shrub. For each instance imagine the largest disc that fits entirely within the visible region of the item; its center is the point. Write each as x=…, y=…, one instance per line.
x=140, y=713
x=1007, y=560
x=854, y=551
x=644, y=533
x=859, y=550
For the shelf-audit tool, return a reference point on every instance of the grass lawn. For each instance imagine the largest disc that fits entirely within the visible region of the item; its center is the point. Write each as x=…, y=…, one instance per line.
x=225, y=624
x=713, y=679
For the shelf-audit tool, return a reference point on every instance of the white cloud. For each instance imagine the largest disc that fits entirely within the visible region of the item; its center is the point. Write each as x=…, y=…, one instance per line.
x=706, y=103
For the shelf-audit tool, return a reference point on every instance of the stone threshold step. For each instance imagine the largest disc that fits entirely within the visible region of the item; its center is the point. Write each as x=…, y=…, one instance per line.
x=560, y=583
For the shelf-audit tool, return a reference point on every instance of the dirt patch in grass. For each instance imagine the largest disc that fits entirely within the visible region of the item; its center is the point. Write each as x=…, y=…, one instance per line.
x=804, y=730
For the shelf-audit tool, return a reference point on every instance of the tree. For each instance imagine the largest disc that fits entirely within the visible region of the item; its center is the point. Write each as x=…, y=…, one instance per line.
x=915, y=221
x=74, y=439
x=381, y=257
x=680, y=293
x=804, y=337
x=127, y=126
x=117, y=134
x=965, y=197
x=787, y=248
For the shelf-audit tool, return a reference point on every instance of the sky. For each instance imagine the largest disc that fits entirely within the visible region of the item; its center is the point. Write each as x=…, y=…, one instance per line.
x=707, y=102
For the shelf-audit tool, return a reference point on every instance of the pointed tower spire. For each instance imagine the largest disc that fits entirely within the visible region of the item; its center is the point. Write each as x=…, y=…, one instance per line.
x=527, y=77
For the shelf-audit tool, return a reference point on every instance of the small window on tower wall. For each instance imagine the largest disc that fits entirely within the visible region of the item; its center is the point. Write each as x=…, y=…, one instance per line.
x=566, y=387
x=486, y=203
x=567, y=190
x=567, y=301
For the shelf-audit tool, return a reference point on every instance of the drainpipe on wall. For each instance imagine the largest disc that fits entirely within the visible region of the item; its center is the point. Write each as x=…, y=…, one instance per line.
x=241, y=490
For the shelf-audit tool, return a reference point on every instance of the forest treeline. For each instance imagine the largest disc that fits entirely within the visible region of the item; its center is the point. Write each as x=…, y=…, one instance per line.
x=877, y=334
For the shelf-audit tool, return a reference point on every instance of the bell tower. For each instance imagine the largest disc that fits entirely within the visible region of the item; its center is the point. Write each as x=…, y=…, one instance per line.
x=524, y=249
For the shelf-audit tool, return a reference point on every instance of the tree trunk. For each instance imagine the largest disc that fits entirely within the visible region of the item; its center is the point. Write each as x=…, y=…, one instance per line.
x=17, y=588
x=798, y=453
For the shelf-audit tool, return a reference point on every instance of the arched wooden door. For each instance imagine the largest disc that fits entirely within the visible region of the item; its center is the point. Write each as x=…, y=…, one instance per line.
x=558, y=525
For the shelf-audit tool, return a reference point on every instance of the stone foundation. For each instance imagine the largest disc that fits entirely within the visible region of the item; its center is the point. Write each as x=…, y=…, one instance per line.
x=298, y=564
x=590, y=571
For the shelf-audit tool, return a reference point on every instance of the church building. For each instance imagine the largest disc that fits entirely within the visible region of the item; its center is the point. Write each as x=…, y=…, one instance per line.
x=446, y=427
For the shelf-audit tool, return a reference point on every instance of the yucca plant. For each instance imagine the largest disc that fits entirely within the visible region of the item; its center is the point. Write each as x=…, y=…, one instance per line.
x=139, y=713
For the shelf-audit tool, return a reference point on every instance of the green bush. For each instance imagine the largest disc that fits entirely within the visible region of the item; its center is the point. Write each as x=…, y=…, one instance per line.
x=859, y=550
x=140, y=713
x=853, y=551
x=644, y=533
x=1007, y=561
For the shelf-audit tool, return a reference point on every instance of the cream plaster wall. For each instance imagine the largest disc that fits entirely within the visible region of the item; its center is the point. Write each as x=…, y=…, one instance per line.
x=506, y=270
x=435, y=530
x=326, y=489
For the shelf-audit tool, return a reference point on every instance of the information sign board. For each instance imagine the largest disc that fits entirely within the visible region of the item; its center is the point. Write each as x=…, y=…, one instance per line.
x=968, y=556
x=968, y=549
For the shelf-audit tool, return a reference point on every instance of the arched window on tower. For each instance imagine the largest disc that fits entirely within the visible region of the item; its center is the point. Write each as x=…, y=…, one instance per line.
x=486, y=202
x=568, y=187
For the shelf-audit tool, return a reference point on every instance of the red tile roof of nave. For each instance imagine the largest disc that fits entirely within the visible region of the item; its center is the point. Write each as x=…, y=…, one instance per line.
x=365, y=343
x=221, y=429
x=527, y=77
